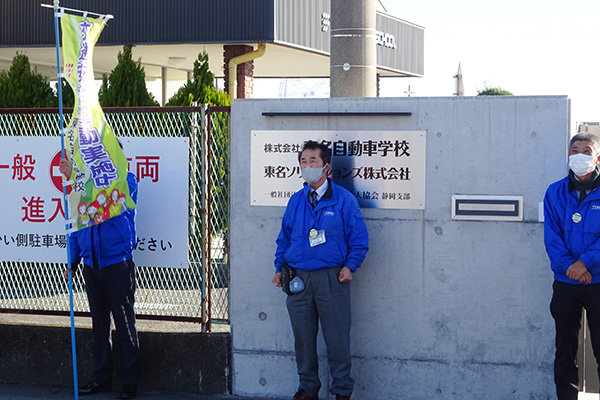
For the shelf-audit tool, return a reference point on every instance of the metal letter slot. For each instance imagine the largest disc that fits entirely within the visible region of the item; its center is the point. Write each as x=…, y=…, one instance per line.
x=487, y=208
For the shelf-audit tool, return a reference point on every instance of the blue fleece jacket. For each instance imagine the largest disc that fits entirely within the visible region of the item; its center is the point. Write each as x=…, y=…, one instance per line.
x=572, y=230
x=111, y=241
x=338, y=214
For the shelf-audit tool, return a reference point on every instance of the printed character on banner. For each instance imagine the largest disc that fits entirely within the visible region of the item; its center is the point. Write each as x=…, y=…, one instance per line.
x=104, y=206
x=92, y=211
x=122, y=202
x=84, y=218
x=115, y=205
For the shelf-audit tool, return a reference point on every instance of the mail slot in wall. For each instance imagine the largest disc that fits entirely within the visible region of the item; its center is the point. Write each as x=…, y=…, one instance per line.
x=487, y=208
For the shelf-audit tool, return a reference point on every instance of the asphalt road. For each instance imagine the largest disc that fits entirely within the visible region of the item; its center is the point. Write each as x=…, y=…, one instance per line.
x=28, y=392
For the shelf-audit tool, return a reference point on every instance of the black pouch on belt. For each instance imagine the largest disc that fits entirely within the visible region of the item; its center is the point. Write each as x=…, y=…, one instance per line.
x=287, y=274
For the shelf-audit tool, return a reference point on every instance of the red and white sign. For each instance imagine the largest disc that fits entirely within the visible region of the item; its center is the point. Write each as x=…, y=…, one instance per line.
x=55, y=176
x=32, y=221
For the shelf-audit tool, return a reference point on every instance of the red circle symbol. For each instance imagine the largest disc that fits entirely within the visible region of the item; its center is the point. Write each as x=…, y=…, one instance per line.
x=56, y=176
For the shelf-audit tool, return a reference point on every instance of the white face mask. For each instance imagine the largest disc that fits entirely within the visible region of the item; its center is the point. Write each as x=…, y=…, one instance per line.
x=581, y=164
x=312, y=175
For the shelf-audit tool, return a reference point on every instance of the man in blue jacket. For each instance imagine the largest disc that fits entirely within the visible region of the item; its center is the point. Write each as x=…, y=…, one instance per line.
x=109, y=273
x=324, y=239
x=572, y=238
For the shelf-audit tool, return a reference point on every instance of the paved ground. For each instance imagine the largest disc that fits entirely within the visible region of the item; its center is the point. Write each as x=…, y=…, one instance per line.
x=28, y=392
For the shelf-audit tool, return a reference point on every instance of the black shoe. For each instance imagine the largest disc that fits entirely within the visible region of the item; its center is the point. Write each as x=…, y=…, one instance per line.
x=93, y=388
x=302, y=395
x=128, y=392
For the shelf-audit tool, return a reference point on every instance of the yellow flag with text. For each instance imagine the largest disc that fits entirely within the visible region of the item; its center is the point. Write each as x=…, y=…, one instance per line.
x=100, y=190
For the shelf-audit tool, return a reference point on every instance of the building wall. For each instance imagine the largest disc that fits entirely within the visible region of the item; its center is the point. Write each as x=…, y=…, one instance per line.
x=139, y=22
x=442, y=309
x=408, y=55
x=307, y=24
x=301, y=23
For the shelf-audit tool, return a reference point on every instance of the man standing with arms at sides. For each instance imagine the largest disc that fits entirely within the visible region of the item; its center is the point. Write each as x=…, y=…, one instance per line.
x=109, y=273
x=324, y=239
x=572, y=238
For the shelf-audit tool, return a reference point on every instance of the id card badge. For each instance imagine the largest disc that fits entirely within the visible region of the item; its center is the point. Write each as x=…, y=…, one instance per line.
x=316, y=237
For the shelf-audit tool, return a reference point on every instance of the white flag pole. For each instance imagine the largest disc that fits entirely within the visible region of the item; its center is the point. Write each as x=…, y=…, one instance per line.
x=74, y=11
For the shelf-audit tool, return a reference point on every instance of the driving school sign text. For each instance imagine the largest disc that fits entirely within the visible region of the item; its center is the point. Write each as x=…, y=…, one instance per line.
x=383, y=169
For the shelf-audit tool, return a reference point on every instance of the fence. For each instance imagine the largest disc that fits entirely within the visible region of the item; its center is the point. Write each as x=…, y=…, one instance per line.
x=199, y=293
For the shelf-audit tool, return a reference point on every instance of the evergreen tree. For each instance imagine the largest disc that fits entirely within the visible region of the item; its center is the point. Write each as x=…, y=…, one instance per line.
x=491, y=91
x=68, y=96
x=201, y=90
x=126, y=84
x=20, y=87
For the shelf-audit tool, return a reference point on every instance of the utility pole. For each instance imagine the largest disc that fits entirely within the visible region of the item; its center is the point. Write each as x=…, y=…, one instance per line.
x=353, y=60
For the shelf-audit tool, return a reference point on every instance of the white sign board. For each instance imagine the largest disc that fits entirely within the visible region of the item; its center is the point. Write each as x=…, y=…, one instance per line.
x=383, y=169
x=32, y=219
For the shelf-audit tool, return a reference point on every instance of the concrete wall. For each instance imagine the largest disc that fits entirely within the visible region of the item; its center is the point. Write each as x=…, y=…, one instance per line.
x=442, y=309
x=171, y=362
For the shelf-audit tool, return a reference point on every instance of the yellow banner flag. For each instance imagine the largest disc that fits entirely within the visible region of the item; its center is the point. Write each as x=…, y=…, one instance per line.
x=100, y=189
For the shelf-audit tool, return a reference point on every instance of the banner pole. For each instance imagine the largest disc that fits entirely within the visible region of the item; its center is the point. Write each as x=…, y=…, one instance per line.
x=84, y=13
x=65, y=201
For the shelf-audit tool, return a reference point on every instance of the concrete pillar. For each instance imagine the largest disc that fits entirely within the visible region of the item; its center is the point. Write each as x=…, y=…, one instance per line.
x=245, y=71
x=353, y=58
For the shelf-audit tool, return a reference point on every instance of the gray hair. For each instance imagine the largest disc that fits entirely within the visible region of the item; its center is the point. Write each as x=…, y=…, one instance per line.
x=586, y=137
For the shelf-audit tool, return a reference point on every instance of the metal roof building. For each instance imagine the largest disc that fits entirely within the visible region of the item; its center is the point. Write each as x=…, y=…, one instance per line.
x=169, y=35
